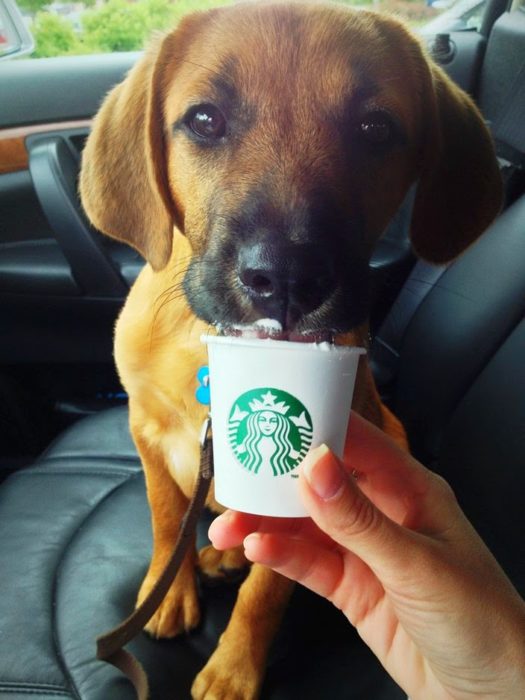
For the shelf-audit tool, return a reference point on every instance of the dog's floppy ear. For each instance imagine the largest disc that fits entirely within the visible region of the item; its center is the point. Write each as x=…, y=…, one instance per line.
x=124, y=183
x=459, y=191
x=123, y=180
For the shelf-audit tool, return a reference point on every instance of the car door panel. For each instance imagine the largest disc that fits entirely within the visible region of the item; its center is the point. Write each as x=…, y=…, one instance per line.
x=57, y=310
x=52, y=90
x=53, y=265
x=466, y=50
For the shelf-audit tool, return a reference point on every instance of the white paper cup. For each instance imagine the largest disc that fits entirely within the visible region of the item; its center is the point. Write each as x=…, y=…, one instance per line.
x=271, y=401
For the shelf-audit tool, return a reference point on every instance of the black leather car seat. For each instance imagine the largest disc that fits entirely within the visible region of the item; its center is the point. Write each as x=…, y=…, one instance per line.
x=75, y=545
x=450, y=359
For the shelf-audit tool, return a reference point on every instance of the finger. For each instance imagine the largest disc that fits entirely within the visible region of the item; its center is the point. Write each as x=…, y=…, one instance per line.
x=341, y=577
x=315, y=567
x=230, y=528
x=392, y=479
x=367, y=448
x=344, y=512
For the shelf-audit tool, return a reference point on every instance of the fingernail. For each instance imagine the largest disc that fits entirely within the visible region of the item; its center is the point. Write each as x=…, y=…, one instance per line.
x=249, y=542
x=225, y=517
x=323, y=473
x=222, y=519
x=252, y=538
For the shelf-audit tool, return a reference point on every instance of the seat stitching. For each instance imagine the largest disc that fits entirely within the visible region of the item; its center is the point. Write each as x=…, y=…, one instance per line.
x=58, y=650
x=20, y=685
x=85, y=471
x=36, y=691
x=95, y=458
x=387, y=347
x=33, y=688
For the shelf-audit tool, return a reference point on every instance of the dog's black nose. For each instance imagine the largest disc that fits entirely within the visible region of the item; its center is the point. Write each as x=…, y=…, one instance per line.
x=285, y=282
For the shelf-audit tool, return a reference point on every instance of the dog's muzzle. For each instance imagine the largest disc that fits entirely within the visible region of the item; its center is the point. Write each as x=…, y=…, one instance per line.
x=285, y=282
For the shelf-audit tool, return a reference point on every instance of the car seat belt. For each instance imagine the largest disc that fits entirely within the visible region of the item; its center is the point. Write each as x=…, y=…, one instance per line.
x=110, y=646
x=508, y=130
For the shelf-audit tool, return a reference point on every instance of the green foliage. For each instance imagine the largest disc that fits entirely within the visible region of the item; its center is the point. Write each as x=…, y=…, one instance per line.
x=54, y=35
x=126, y=25
x=119, y=25
x=115, y=26
x=33, y=5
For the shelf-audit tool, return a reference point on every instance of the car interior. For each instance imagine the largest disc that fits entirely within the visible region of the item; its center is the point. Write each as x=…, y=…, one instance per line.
x=447, y=350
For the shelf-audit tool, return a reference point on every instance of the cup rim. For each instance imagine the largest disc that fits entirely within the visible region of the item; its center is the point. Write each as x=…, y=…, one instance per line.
x=271, y=344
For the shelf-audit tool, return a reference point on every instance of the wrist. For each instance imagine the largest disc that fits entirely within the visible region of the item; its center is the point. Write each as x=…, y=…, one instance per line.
x=512, y=660
x=517, y=655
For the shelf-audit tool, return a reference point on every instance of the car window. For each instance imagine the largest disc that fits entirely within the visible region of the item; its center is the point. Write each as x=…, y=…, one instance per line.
x=99, y=26
x=462, y=15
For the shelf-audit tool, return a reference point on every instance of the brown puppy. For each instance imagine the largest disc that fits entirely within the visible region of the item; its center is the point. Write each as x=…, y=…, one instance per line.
x=254, y=156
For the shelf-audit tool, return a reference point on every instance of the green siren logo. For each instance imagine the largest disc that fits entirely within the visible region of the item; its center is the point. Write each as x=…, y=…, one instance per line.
x=269, y=429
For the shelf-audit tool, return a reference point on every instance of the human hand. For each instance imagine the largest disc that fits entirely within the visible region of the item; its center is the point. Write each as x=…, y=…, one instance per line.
x=393, y=550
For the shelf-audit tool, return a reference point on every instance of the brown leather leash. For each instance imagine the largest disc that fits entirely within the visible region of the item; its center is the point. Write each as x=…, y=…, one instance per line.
x=110, y=645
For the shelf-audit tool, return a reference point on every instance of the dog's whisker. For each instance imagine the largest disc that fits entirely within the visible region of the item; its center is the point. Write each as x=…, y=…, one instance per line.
x=168, y=296
x=176, y=279
x=161, y=299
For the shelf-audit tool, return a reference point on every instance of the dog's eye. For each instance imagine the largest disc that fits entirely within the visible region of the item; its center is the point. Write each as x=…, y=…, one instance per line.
x=207, y=121
x=377, y=128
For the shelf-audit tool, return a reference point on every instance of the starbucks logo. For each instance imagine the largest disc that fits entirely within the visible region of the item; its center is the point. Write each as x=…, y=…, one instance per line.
x=269, y=430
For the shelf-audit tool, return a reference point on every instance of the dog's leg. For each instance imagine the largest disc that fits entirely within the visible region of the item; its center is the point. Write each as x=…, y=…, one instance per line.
x=366, y=400
x=179, y=610
x=236, y=669
x=227, y=565
x=393, y=427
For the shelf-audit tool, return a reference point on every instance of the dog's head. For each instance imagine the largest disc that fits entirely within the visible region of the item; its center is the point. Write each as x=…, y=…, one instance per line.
x=281, y=139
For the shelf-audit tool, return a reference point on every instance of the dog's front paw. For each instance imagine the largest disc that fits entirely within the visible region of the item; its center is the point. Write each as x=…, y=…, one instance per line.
x=227, y=677
x=179, y=611
x=227, y=566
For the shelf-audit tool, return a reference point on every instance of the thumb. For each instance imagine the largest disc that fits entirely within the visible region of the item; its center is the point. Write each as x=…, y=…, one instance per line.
x=341, y=510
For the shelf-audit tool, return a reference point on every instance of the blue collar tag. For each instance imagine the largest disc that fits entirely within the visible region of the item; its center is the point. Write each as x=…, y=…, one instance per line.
x=203, y=390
